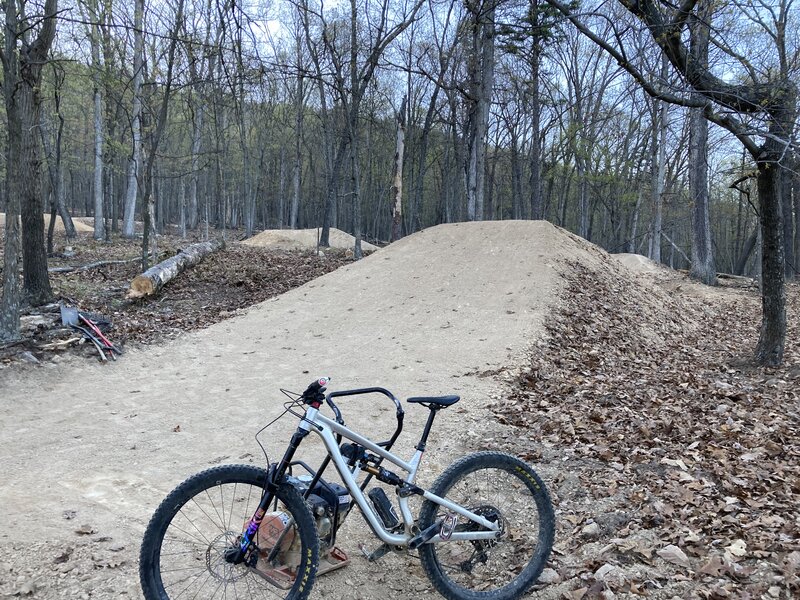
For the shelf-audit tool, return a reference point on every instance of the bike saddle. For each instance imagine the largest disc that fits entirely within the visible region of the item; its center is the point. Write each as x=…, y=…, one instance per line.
x=440, y=401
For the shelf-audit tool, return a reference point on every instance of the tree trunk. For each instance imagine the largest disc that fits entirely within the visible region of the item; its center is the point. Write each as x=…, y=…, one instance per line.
x=482, y=80
x=535, y=115
x=160, y=123
x=332, y=193
x=55, y=164
x=197, y=131
x=422, y=160
x=796, y=193
x=135, y=161
x=182, y=205
x=112, y=116
x=747, y=250
x=151, y=281
x=397, y=179
x=788, y=222
x=658, y=166
x=516, y=178
x=10, y=302
x=298, y=155
x=635, y=221
x=769, y=350
x=36, y=281
x=281, y=218
x=583, y=192
x=703, y=267
x=352, y=123
x=491, y=213
x=355, y=193
x=99, y=214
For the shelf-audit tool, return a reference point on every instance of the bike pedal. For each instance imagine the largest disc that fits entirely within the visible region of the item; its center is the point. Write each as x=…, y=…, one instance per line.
x=376, y=554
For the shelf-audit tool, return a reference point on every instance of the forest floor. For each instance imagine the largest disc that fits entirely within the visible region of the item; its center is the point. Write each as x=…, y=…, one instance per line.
x=674, y=467
x=679, y=464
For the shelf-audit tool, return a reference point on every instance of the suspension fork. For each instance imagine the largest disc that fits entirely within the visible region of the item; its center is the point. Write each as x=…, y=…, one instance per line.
x=275, y=475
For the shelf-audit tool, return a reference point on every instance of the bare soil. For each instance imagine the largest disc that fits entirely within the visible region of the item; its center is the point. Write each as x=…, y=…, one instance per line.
x=533, y=327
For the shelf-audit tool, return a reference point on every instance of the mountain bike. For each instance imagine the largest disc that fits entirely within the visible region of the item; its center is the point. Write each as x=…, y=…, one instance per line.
x=484, y=530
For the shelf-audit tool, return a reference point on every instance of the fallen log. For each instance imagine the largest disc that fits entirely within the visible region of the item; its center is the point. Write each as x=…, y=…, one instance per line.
x=152, y=280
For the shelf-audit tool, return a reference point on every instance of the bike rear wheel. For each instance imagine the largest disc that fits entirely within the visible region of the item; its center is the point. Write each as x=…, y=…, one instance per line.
x=184, y=546
x=502, y=489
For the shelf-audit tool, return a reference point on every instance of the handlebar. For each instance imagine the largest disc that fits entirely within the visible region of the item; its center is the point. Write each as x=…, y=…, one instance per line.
x=315, y=396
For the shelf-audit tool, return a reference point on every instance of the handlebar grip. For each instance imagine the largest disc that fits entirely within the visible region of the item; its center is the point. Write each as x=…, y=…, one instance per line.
x=318, y=385
x=314, y=392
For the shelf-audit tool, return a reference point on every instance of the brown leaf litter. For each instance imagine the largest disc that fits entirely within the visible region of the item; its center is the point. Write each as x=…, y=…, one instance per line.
x=676, y=465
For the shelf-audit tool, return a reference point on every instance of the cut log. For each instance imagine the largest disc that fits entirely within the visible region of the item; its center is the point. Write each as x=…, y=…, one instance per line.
x=152, y=280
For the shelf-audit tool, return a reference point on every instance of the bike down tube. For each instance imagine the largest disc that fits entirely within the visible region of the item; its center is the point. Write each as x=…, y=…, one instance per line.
x=325, y=428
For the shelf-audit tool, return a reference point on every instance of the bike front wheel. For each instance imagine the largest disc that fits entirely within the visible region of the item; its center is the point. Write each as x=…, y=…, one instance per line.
x=186, y=550
x=504, y=490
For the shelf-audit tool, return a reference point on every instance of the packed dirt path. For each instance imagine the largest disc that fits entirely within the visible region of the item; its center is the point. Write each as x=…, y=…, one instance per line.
x=89, y=450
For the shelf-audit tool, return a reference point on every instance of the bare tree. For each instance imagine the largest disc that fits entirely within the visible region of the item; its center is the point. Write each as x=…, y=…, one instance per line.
x=703, y=266
x=97, y=97
x=55, y=167
x=350, y=79
x=155, y=136
x=481, y=81
x=24, y=54
x=135, y=160
x=768, y=96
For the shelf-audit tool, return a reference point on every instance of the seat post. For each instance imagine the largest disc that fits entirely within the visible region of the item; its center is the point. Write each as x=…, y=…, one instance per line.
x=424, y=440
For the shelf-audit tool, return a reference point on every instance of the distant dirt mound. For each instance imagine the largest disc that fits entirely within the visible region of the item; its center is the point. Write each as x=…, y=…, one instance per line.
x=79, y=226
x=638, y=263
x=302, y=239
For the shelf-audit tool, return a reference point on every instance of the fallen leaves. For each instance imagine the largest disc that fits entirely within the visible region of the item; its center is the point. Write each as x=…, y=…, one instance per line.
x=637, y=399
x=675, y=555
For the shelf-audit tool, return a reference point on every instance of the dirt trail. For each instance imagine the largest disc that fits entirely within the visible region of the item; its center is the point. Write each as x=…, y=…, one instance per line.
x=84, y=444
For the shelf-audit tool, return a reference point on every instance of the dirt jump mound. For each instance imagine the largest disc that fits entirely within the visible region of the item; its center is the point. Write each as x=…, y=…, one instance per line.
x=303, y=239
x=446, y=310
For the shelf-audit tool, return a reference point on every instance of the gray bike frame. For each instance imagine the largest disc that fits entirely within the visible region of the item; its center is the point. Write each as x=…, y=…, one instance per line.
x=327, y=430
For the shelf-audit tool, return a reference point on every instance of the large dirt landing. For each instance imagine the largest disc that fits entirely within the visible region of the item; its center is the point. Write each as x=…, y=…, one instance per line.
x=90, y=451
x=303, y=239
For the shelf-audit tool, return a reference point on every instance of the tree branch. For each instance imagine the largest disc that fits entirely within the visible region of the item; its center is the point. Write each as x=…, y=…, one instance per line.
x=623, y=62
